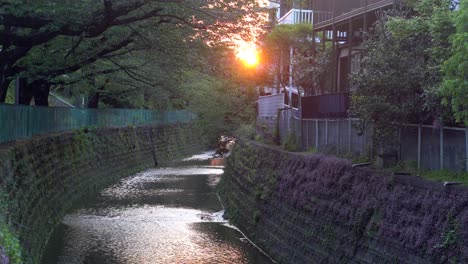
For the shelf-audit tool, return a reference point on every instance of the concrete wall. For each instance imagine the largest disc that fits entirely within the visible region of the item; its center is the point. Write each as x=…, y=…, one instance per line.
x=43, y=177
x=317, y=209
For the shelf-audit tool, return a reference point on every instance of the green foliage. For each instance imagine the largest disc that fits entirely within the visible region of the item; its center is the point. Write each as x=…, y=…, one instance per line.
x=312, y=150
x=246, y=131
x=455, y=85
x=10, y=97
x=118, y=49
x=290, y=143
x=256, y=216
x=389, y=86
x=450, y=240
x=221, y=107
x=258, y=138
x=9, y=243
x=310, y=66
x=411, y=167
x=401, y=72
x=284, y=36
x=446, y=176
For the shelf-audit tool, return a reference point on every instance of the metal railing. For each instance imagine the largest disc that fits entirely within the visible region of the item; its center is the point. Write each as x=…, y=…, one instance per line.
x=325, y=106
x=297, y=16
x=20, y=121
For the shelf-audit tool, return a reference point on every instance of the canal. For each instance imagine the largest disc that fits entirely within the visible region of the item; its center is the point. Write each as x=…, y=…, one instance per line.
x=164, y=215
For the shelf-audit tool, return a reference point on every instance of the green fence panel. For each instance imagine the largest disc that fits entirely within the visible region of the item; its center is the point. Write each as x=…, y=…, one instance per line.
x=20, y=121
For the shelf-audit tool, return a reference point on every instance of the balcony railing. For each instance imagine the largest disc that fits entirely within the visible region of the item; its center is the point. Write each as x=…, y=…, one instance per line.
x=325, y=106
x=297, y=16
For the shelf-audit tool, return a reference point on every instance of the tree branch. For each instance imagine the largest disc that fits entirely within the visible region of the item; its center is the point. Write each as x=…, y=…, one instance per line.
x=133, y=75
x=74, y=47
x=86, y=61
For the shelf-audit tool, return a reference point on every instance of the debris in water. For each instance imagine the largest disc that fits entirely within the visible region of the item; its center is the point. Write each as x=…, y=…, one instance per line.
x=225, y=144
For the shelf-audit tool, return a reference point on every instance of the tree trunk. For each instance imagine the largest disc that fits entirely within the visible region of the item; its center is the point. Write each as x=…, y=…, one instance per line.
x=25, y=94
x=41, y=93
x=94, y=101
x=39, y=90
x=4, y=82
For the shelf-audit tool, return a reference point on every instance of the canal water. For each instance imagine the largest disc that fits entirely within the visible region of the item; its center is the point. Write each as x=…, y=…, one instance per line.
x=165, y=215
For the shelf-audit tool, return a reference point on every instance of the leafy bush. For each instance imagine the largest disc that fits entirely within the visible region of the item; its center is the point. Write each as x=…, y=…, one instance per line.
x=10, y=250
x=246, y=131
x=290, y=143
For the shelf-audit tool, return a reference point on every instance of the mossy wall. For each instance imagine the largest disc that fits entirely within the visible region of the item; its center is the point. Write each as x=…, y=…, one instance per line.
x=306, y=208
x=43, y=177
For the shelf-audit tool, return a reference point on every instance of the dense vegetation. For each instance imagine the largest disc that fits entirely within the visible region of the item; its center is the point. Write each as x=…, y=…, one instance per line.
x=150, y=54
x=414, y=70
x=310, y=66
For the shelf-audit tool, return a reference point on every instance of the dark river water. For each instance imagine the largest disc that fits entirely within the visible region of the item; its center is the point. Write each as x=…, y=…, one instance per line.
x=165, y=215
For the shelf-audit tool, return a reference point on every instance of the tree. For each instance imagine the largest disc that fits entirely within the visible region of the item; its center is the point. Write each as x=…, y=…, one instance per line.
x=401, y=71
x=310, y=66
x=147, y=74
x=312, y=69
x=277, y=45
x=455, y=85
x=31, y=29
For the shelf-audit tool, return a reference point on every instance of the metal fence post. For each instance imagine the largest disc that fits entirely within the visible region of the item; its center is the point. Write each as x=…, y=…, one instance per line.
x=326, y=131
x=365, y=142
x=349, y=135
x=337, y=136
x=317, y=135
x=307, y=134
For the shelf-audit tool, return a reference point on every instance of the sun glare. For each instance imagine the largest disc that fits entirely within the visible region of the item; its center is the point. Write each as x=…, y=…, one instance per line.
x=247, y=51
x=248, y=54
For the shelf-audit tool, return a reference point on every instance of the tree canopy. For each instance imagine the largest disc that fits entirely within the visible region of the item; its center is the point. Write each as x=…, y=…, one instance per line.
x=43, y=40
x=402, y=71
x=455, y=86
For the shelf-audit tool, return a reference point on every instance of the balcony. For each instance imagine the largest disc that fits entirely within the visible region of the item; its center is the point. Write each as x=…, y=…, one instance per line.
x=325, y=106
x=297, y=16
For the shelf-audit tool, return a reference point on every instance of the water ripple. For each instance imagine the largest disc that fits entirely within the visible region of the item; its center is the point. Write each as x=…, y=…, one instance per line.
x=169, y=215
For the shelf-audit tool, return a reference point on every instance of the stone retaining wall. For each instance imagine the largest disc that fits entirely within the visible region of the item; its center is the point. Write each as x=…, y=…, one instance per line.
x=307, y=208
x=43, y=177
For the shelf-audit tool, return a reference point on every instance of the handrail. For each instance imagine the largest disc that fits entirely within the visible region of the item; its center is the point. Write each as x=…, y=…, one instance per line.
x=56, y=97
x=280, y=20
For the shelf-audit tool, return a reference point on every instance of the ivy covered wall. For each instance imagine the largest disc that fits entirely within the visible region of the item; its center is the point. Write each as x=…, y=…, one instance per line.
x=307, y=208
x=43, y=177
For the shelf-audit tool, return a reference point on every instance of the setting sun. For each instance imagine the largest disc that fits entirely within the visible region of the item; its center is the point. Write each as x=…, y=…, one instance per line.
x=248, y=54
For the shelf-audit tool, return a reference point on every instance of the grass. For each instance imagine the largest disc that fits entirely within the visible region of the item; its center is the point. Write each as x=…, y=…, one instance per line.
x=446, y=176
x=434, y=175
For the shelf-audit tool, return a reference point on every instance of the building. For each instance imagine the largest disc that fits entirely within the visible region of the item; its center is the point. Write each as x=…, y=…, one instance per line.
x=343, y=24
x=345, y=30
